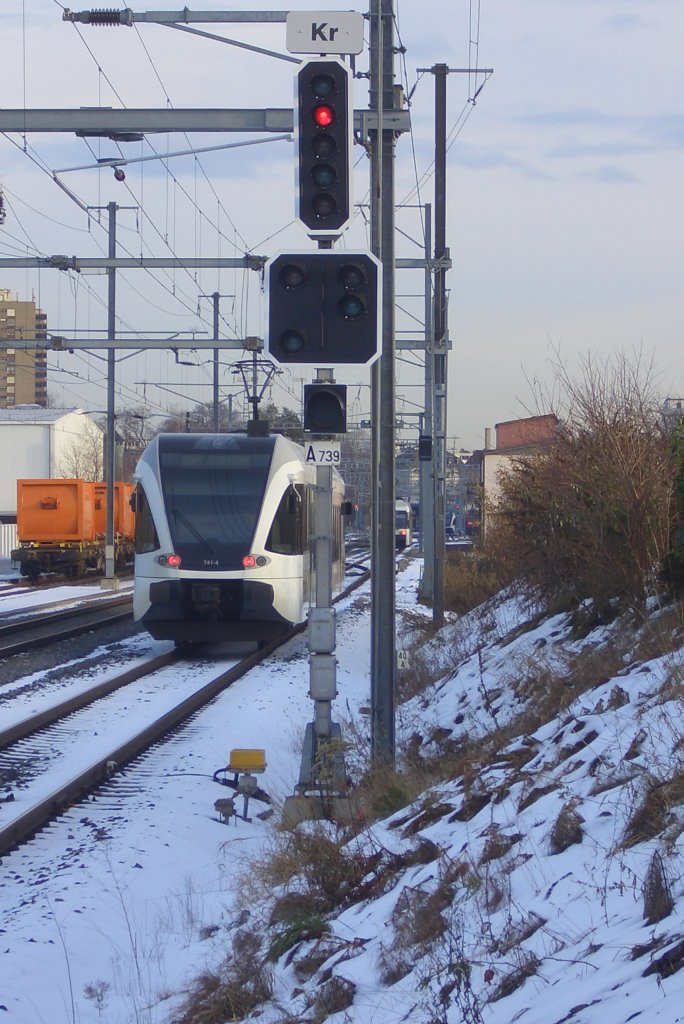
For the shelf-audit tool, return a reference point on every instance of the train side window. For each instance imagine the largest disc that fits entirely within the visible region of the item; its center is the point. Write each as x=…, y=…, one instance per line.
x=285, y=535
x=146, y=538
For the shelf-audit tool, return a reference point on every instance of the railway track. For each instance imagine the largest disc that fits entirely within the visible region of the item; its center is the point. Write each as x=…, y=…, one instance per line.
x=58, y=764
x=38, y=762
x=60, y=620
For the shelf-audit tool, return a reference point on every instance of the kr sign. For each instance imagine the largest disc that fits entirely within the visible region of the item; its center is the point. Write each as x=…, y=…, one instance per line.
x=324, y=32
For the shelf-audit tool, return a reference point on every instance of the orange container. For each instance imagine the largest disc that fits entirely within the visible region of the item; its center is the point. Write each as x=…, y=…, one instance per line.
x=55, y=511
x=124, y=518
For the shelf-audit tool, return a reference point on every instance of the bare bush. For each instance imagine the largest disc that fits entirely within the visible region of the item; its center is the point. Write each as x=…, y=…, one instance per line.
x=590, y=516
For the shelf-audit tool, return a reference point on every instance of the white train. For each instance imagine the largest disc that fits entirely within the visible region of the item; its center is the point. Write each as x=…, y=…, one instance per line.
x=403, y=524
x=224, y=537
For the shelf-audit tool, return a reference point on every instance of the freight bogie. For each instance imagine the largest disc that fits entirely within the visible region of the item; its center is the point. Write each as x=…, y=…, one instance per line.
x=72, y=562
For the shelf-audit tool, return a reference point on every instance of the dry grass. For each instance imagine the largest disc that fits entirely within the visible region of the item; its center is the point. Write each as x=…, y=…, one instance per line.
x=567, y=828
x=527, y=967
x=327, y=872
x=658, y=901
x=418, y=920
x=473, y=577
x=653, y=814
x=230, y=995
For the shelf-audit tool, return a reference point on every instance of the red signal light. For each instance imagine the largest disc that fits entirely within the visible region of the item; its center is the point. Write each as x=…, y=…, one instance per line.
x=249, y=561
x=174, y=561
x=323, y=116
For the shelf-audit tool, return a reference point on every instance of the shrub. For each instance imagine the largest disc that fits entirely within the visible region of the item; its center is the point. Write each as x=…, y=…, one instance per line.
x=473, y=577
x=590, y=515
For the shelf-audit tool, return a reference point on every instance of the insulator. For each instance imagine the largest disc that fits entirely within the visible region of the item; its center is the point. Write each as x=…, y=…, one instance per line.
x=109, y=17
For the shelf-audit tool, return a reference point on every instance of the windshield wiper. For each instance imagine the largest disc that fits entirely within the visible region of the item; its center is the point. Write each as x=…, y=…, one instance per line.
x=203, y=540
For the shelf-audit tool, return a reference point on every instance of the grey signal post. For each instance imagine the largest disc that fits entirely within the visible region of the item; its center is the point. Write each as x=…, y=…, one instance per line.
x=321, y=790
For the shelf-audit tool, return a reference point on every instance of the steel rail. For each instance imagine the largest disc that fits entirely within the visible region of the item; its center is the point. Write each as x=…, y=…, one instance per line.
x=40, y=814
x=41, y=720
x=38, y=629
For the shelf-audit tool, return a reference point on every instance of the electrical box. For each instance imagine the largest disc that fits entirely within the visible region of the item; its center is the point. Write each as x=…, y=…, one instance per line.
x=322, y=677
x=321, y=630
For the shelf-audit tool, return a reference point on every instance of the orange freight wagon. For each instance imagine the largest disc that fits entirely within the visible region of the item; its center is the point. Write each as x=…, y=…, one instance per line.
x=50, y=511
x=61, y=527
x=124, y=517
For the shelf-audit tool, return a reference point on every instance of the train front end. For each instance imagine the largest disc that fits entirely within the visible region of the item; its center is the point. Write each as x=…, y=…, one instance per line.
x=219, y=554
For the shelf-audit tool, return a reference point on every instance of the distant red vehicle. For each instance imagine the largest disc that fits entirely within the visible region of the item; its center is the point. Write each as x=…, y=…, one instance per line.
x=472, y=522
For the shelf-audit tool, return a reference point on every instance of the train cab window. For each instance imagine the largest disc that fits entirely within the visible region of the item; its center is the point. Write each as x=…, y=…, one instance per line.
x=286, y=533
x=146, y=538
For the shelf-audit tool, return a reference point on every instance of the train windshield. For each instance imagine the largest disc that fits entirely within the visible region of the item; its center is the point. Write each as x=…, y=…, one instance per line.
x=213, y=499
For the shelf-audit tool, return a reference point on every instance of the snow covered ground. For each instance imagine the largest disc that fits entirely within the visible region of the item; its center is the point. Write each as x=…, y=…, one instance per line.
x=535, y=868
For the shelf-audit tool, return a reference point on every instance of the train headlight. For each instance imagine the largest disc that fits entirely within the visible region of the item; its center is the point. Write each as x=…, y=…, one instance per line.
x=173, y=560
x=250, y=561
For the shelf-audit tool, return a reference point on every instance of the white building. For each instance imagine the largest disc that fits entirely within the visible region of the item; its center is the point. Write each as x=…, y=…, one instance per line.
x=37, y=443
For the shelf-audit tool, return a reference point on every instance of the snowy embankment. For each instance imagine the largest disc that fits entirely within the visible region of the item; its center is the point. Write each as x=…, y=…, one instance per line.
x=538, y=879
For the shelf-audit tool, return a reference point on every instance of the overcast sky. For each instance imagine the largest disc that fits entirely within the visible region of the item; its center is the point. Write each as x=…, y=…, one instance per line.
x=565, y=210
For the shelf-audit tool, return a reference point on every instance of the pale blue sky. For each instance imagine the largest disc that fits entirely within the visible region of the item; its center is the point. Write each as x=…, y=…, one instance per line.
x=564, y=189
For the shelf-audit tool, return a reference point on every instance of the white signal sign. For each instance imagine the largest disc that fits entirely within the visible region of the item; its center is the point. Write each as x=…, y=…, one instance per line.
x=324, y=453
x=324, y=32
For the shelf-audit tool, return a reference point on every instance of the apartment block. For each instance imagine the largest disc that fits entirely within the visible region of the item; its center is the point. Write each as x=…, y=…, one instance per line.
x=23, y=371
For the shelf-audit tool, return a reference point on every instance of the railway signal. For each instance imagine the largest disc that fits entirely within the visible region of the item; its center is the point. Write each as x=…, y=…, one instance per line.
x=325, y=408
x=323, y=308
x=323, y=125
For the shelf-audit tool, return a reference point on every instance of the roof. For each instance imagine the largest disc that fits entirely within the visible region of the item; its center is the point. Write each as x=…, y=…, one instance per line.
x=33, y=414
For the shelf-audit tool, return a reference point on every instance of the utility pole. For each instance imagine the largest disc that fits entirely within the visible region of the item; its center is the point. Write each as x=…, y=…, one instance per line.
x=383, y=601
x=216, y=298
x=110, y=450
x=437, y=351
x=440, y=71
x=427, y=466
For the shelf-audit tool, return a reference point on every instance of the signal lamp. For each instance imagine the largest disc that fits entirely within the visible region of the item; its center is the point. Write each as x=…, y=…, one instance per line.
x=323, y=205
x=323, y=175
x=174, y=561
x=323, y=146
x=322, y=85
x=351, y=306
x=352, y=276
x=249, y=561
x=293, y=276
x=292, y=342
x=325, y=408
x=323, y=116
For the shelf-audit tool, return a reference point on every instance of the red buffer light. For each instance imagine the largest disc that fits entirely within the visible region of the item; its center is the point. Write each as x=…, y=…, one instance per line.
x=174, y=561
x=249, y=561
